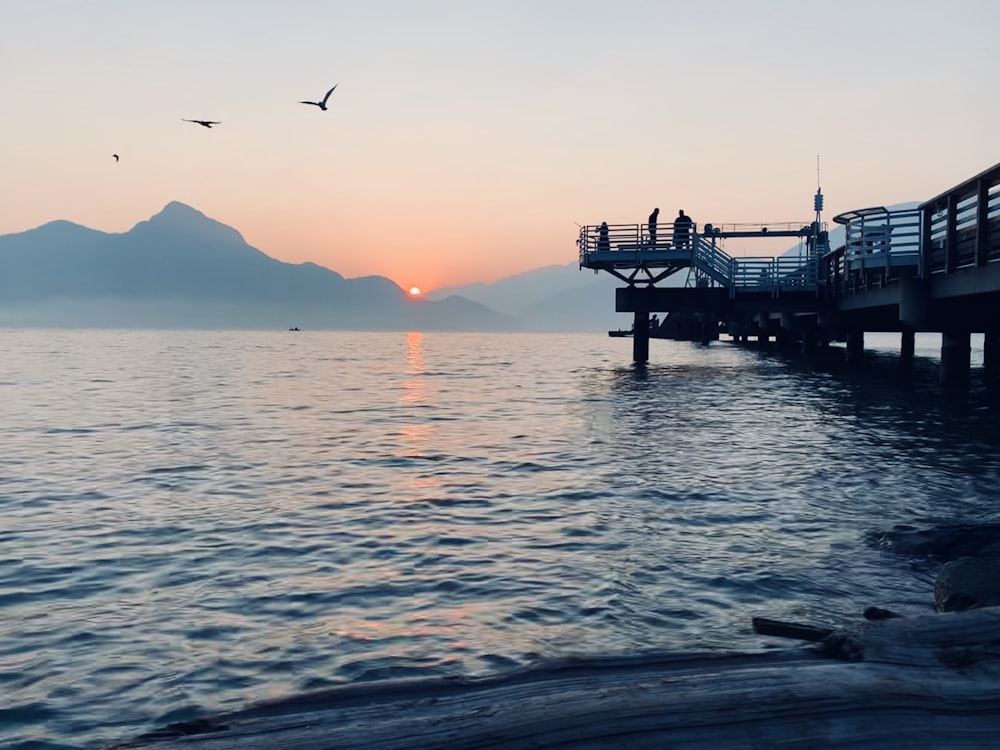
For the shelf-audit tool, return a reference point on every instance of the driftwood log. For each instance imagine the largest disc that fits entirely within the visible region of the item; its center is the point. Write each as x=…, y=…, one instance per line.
x=921, y=682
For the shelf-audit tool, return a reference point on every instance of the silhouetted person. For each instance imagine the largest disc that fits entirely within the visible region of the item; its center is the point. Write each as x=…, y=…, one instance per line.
x=682, y=230
x=603, y=243
x=653, y=219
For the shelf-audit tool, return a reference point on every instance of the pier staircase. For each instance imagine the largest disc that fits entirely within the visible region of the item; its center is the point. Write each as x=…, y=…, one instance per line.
x=712, y=262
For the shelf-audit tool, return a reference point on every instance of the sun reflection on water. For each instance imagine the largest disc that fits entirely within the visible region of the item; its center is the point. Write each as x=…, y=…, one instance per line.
x=414, y=387
x=416, y=432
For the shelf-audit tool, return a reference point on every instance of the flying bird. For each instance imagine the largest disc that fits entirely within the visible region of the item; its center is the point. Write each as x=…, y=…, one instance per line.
x=116, y=156
x=204, y=123
x=322, y=104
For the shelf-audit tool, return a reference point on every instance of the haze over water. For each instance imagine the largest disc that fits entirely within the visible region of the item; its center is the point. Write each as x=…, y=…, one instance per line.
x=193, y=521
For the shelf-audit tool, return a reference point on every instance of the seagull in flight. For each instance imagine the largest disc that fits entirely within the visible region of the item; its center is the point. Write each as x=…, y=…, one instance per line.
x=204, y=123
x=322, y=104
x=116, y=156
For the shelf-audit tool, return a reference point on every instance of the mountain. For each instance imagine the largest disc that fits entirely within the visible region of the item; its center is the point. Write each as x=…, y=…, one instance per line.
x=555, y=298
x=512, y=294
x=183, y=269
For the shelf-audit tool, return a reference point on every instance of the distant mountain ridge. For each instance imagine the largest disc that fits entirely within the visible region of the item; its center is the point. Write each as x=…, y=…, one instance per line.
x=554, y=298
x=181, y=268
x=512, y=294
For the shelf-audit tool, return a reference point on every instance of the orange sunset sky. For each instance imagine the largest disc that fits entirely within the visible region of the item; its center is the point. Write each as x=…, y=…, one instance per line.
x=465, y=139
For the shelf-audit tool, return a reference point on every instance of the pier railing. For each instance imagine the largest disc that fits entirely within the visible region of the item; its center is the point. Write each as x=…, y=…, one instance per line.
x=961, y=227
x=880, y=245
x=776, y=274
x=613, y=247
x=611, y=241
x=712, y=260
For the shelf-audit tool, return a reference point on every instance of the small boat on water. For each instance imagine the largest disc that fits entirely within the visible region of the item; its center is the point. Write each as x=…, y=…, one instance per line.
x=654, y=324
x=296, y=328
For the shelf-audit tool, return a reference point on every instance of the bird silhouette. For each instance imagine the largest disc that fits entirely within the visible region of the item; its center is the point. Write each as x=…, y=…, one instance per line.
x=322, y=104
x=204, y=123
x=116, y=156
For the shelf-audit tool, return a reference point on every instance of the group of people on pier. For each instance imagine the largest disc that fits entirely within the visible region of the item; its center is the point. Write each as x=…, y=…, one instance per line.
x=681, y=234
x=682, y=229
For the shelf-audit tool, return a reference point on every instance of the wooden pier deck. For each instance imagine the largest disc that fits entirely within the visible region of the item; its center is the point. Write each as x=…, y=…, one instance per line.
x=934, y=267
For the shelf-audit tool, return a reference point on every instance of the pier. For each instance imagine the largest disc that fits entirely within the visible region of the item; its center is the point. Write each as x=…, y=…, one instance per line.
x=934, y=267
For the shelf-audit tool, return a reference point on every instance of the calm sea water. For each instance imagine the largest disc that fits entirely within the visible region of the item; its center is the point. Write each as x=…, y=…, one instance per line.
x=193, y=521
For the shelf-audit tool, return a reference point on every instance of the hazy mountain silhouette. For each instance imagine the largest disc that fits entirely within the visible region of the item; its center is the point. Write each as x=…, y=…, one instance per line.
x=182, y=269
x=555, y=298
x=513, y=294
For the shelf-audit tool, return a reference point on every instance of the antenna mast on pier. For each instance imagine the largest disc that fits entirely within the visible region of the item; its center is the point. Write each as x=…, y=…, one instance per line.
x=818, y=200
x=818, y=240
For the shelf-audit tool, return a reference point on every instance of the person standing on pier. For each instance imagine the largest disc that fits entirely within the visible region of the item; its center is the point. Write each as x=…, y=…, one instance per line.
x=682, y=230
x=603, y=243
x=653, y=219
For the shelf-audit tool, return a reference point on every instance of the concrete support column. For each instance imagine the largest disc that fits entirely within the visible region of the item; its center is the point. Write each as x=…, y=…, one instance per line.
x=705, y=330
x=956, y=355
x=907, y=344
x=912, y=302
x=786, y=333
x=991, y=355
x=809, y=342
x=640, y=338
x=855, y=345
x=763, y=338
x=828, y=328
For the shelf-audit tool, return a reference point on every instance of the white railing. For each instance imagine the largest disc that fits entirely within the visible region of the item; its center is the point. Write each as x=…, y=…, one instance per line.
x=597, y=239
x=713, y=260
x=775, y=274
x=883, y=240
x=628, y=244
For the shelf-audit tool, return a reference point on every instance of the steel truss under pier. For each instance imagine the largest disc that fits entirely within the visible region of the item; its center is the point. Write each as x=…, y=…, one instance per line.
x=933, y=267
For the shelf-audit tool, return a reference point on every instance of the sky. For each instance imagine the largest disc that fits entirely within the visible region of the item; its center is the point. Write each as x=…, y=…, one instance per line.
x=466, y=140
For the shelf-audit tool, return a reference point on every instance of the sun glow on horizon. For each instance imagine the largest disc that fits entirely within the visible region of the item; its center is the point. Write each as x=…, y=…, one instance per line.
x=414, y=291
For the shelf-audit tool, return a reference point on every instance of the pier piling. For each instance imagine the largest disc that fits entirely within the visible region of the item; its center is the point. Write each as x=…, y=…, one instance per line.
x=640, y=337
x=991, y=355
x=907, y=344
x=956, y=355
x=855, y=345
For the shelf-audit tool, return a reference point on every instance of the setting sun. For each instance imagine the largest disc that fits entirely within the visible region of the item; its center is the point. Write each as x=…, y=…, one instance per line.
x=414, y=291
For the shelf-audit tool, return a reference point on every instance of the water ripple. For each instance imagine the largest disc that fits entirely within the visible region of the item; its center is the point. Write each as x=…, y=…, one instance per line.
x=194, y=521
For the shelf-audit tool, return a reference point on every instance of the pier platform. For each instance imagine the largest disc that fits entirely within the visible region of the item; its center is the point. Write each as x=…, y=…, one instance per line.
x=933, y=267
